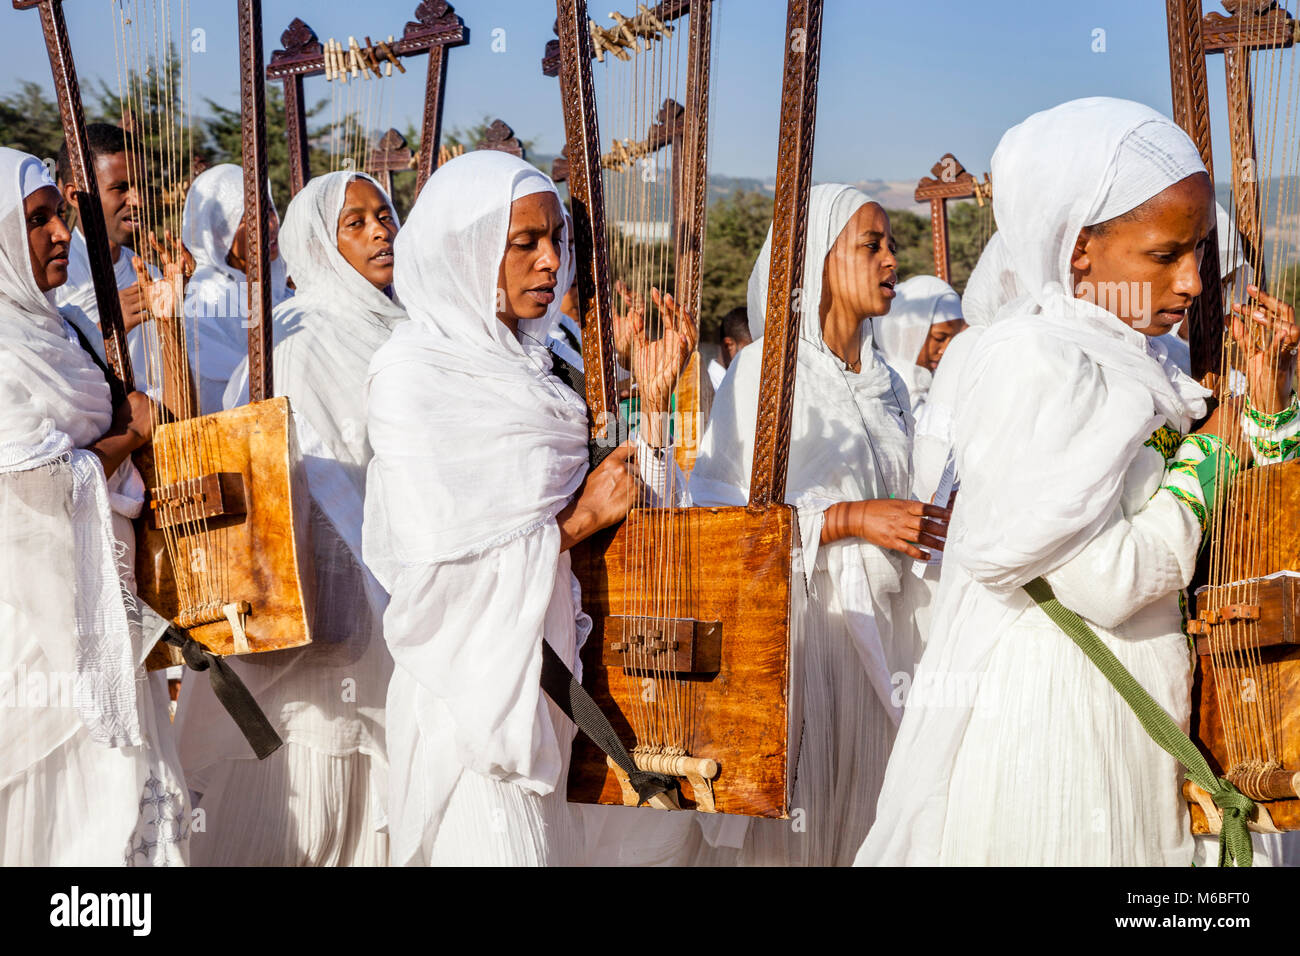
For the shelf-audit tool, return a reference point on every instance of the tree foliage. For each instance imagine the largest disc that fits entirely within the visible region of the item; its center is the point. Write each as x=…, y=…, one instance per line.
x=225, y=138
x=30, y=121
x=736, y=228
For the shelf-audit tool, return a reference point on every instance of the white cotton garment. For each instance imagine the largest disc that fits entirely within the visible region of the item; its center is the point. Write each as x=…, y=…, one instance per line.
x=91, y=780
x=1057, y=399
x=216, y=298
x=849, y=440
x=921, y=302
x=320, y=799
x=477, y=447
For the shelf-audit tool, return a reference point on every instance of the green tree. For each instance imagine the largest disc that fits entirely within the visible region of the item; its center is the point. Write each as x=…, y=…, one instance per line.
x=224, y=130
x=734, y=235
x=969, y=228
x=30, y=121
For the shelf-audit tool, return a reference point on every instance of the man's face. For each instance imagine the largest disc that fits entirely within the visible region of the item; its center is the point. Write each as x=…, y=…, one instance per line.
x=118, y=197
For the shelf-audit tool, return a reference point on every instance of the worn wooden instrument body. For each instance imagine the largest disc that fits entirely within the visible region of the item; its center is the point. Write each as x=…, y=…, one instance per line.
x=730, y=702
x=1246, y=703
x=690, y=655
x=1246, y=694
x=227, y=555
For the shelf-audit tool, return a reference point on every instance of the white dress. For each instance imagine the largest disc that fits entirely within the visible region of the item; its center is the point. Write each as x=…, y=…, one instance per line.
x=853, y=643
x=1053, y=739
x=477, y=448
x=320, y=799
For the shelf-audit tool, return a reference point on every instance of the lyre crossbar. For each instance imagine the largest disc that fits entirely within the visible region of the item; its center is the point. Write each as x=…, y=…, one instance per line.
x=434, y=30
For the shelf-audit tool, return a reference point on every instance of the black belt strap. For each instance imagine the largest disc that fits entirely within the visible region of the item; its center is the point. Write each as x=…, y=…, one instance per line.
x=230, y=691
x=572, y=698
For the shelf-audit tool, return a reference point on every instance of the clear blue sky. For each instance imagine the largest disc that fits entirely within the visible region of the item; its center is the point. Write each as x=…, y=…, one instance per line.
x=901, y=82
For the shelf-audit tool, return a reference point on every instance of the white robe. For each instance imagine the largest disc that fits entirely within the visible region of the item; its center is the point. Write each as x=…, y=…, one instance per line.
x=853, y=637
x=92, y=779
x=1013, y=748
x=320, y=799
x=476, y=449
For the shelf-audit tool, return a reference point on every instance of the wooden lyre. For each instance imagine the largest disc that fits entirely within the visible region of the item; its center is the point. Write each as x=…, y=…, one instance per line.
x=1246, y=699
x=682, y=131
x=949, y=180
x=434, y=30
x=222, y=549
x=690, y=651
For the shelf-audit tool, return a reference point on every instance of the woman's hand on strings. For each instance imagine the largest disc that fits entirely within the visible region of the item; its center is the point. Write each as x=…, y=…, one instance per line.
x=897, y=524
x=610, y=491
x=657, y=365
x=134, y=302
x=1269, y=350
x=165, y=296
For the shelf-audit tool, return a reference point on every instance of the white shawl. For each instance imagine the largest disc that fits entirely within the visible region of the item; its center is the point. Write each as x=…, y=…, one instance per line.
x=476, y=449
x=53, y=402
x=1056, y=400
x=216, y=299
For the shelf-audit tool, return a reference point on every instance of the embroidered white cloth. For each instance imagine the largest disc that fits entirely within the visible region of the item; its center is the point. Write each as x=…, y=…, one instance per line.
x=71, y=660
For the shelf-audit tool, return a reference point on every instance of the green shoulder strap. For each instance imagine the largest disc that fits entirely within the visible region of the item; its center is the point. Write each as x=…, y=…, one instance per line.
x=1234, y=838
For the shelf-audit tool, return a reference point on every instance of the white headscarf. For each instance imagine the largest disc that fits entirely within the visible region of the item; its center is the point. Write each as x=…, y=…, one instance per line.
x=1106, y=405
x=520, y=437
x=849, y=436
x=326, y=334
x=216, y=299
x=921, y=301
x=53, y=402
x=1056, y=400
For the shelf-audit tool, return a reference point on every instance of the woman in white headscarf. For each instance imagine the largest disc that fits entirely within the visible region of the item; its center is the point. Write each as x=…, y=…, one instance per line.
x=924, y=319
x=1014, y=749
x=319, y=799
x=848, y=478
x=216, y=298
x=478, y=487
x=86, y=776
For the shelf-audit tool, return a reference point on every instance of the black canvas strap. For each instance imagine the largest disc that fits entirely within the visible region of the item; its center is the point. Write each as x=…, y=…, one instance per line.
x=230, y=691
x=572, y=698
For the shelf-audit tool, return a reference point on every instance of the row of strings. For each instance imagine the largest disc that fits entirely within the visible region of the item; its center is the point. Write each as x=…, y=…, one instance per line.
x=646, y=199
x=357, y=107
x=1246, y=542
x=154, y=88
